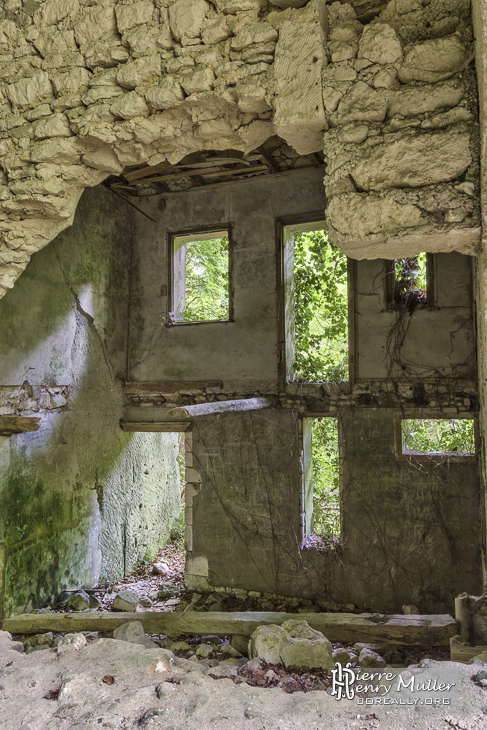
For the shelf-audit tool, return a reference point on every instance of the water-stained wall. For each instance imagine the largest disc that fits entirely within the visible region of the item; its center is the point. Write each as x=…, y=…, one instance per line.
x=81, y=500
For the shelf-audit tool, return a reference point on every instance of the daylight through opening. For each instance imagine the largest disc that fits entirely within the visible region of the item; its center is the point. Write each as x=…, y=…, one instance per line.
x=201, y=278
x=321, y=477
x=455, y=436
x=320, y=309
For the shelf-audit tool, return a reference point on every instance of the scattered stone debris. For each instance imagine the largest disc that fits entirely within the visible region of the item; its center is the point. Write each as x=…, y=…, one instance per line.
x=125, y=601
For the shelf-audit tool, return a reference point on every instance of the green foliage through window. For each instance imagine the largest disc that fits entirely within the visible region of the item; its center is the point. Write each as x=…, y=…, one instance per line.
x=207, y=281
x=321, y=354
x=438, y=436
x=326, y=477
x=321, y=305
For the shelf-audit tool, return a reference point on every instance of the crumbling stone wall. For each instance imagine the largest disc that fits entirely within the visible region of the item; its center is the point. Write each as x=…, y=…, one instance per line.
x=402, y=147
x=91, y=88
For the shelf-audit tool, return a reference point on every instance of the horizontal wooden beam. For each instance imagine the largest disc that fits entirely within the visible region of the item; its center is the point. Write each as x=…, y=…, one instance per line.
x=222, y=406
x=10, y=425
x=344, y=627
x=152, y=427
x=174, y=386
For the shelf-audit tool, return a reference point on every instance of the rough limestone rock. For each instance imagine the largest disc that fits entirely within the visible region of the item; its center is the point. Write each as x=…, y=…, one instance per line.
x=294, y=644
x=380, y=44
x=362, y=104
x=413, y=161
x=358, y=216
x=79, y=601
x=165, y=95
x=434, y=60
x=369, y=658
x=91, y=88
x=71, y=642
x=133, y=631
x=186, y=18
x=125, y=601
x=38, y=642
x=305, y=647
x=344, y=656
x=299, y=113
x=265, y=644
x=413, y=100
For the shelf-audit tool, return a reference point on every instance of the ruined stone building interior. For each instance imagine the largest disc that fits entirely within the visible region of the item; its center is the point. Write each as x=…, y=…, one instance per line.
x=132, y=130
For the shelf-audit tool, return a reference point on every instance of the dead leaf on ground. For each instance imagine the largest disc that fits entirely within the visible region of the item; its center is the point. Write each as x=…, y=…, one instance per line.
x=108, y=679
x=52, y=694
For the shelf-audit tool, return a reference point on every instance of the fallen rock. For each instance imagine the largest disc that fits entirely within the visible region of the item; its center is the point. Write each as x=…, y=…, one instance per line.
x=133, y=632
x=161, y=568
x=240, y=643
x=368, y=658
x=228, y=650
x=168, y=590
x=38, y=642
x=344, y=656
x=71, y=642
x=204, y=650
x=145, y=601
x=94, y=602
x=294, y=644
x=125, y=601
x=79, y=601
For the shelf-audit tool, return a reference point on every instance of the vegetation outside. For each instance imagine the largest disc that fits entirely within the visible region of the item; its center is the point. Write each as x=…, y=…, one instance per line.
x=207, y=281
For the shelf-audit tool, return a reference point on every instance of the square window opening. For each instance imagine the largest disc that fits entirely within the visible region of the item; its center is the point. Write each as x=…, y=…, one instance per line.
x=409, y=282
x=445, y=437
x=321, y=480
x=316, y=306
x=200, y=278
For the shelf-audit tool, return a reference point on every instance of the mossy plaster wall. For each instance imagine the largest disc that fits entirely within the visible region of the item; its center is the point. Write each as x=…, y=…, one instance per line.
x=81, y=500
x=91, y=88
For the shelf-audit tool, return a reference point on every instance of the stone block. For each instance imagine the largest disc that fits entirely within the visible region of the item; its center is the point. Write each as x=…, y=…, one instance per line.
x=165, y=95
x=129, y=16
x=413, y=100
x=79, y=601
x=362, y=104
x=141, y=72
x=294, y=644
x=358, y=215
x=103, y=159
x=433, y=60
x=254, y=33
x=71, y=642
x=133, y=632
x=369, y=658
x=125, y=601
x=380, y=44
x=30, y=91
x=414, y=161
x=55, y=126
x=215, y=30
x=129, y=106
x=186, y=18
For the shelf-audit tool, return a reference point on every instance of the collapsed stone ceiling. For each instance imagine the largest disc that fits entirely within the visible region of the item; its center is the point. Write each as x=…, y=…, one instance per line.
x=94, y=90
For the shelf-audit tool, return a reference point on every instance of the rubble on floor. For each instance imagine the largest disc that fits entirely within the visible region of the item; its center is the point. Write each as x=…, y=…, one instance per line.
x=89, y=681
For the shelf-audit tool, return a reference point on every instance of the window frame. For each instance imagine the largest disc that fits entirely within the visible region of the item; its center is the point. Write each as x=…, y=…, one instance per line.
x=307, y=495
x=302, y=223
x=389, y=281
x=435, y=456
x=199, y=233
